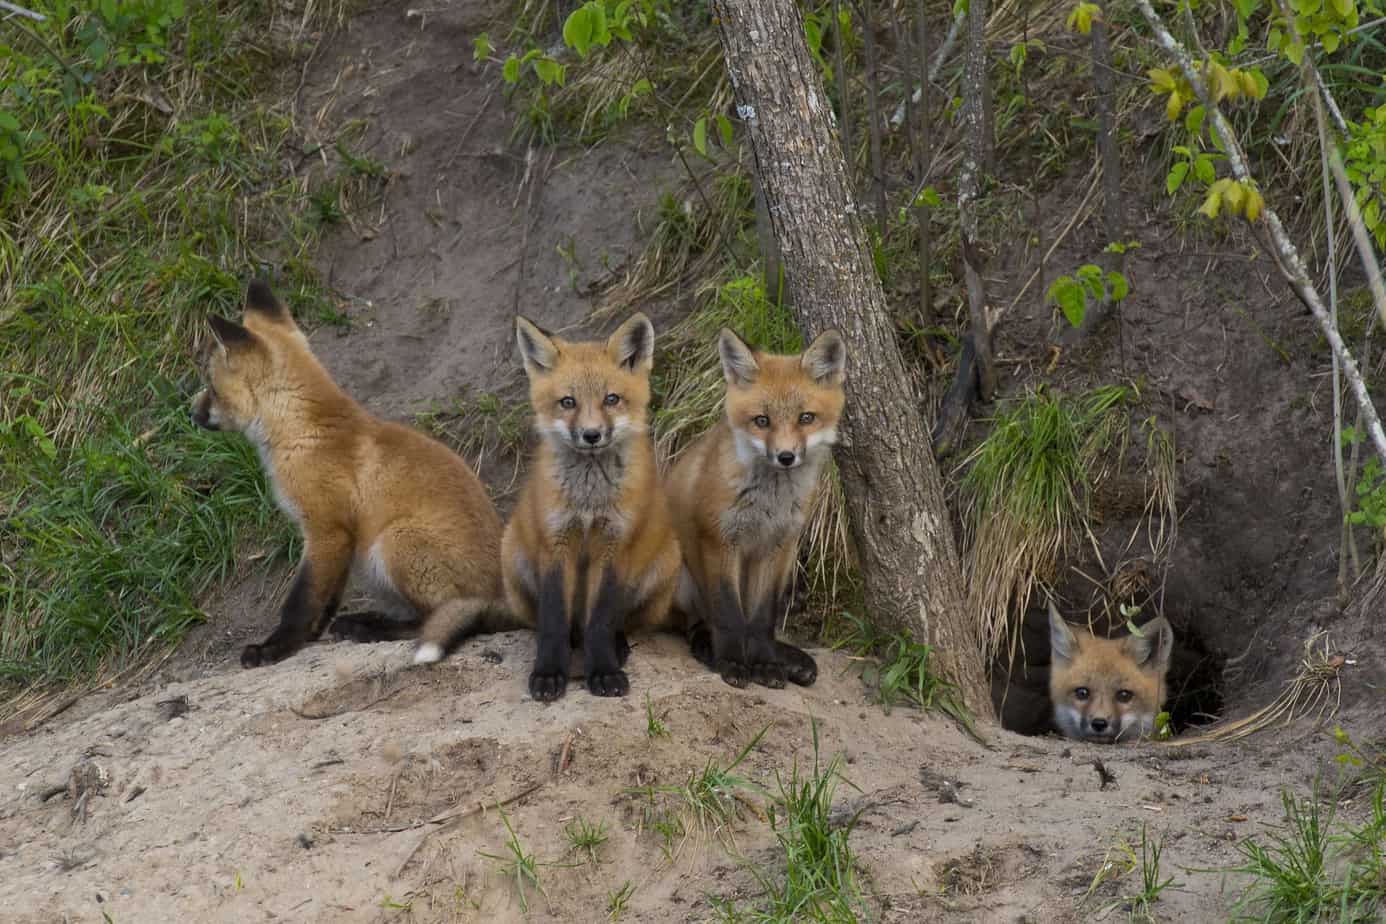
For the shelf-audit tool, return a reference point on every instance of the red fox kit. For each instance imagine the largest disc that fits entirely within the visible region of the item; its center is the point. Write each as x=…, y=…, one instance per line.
x=740, y=496
x=1107, y=689
x=589, y=552
x=362, y=490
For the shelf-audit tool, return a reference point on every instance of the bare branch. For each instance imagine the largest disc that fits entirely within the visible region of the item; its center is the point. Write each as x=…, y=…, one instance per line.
x=1288, y=259
x=21, y=11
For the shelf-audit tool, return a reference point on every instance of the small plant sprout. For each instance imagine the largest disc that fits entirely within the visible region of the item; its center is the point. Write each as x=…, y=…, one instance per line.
x=618, y=899
x=517, y=864
x=654, y=724
x=584, y=836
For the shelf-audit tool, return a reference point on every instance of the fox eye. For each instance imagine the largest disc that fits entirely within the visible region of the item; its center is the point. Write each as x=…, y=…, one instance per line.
x=567, y=402
x=613, y=400
x=1125, y=696
x=760, y=420
x=806, y=418
x=1081, y=693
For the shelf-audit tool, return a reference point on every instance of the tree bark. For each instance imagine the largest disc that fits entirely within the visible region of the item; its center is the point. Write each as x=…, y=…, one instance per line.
x=895, y=501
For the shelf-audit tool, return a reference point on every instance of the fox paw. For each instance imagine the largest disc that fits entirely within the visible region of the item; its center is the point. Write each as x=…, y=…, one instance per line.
x=261, y=655
x=799, y=666
x=767, y=674
x=613, y=684
x=700, y=642
x=546, y=688
x=734, y=673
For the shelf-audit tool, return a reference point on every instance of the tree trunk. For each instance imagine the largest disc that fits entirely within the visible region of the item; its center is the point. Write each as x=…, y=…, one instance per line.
x=895, y=499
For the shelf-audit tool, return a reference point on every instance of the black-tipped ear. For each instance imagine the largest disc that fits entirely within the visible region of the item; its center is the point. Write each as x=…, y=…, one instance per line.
x=632, y=345
x=259, y=298
x=228, y=333
x=738, y=361
x=537, y=350
x=826, y=358
x=1153, y=647
x=1063, y=644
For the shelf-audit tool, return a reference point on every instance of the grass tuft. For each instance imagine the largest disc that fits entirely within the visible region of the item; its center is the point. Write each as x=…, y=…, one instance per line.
x=1309, y=872
x=820, y=868
x=137, y=194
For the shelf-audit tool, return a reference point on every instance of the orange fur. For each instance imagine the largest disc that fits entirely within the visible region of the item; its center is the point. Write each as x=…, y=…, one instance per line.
x=1107, y=689
x=402, y=506
x=589, y=551
x=740, y=496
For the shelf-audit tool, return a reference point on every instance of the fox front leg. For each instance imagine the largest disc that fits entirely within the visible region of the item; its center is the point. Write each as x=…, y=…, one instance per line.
x=549, y=679
x=608, y=600
x=312, y=601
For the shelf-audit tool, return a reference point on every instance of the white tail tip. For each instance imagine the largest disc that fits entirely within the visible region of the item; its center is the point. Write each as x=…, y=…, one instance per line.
x=428, y=653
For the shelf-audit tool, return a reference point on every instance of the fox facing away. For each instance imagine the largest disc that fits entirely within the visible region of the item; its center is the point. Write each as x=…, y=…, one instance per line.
x=1107, y=689
x=361, y=490
x=740, y=496
x=589, y=552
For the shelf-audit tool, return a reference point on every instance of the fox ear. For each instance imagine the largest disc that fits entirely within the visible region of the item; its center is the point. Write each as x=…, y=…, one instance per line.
x=826, y=358
x=632, y=345
x=1151, y=649
x=537, y=349
x=1063, y=644
x=229, y=334
x=260, y=299
x=739, y=365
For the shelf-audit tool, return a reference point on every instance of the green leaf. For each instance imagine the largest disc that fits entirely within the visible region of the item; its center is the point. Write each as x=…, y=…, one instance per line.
x=1295, y=52
x=1162, y=79
x=8, y=122
x=1203, y=169
x=1371, y=215
x=1176, y=177
x=724, y=131
x=700, y=136
x=577, y=30
x=481, y=47
x=1330, y=42
x=549, y=71
x=1193, y=119
x=929, y=196
x=1073, y=304
x=511, y=70
x=1343, y=8
x=1211, y=205
x=1117, y=286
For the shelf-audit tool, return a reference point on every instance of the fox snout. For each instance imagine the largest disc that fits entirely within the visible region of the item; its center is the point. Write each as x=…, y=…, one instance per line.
x=589, y=438
x=202, y=411
x=787, y=459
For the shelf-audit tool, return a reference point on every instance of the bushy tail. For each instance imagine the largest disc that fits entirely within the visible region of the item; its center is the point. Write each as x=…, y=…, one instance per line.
x=458, y=620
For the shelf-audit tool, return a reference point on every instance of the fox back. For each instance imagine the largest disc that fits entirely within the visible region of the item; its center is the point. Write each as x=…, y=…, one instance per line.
x=1107, y=689
x=363, y=491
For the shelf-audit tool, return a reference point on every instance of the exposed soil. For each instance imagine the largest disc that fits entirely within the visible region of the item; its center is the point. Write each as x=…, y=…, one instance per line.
x=342, y=785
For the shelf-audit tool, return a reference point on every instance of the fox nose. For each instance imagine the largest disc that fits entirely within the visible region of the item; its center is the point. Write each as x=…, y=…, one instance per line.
x=1098, y=725
x=591, y=437
x=786, y=458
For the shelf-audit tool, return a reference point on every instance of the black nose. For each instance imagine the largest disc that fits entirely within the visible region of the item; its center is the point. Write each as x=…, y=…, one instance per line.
x=786, y=458
x=591, y=437
x=1098, y=725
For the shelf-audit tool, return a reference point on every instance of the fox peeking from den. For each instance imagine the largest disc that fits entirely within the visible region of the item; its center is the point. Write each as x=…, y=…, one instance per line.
x=1107, y=690
x=363, y=491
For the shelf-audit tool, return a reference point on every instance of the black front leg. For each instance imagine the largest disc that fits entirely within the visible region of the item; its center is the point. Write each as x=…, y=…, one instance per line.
x=762, y=653
x=729, y=637
x=606, y=624
x=799, y=666
x=310, y=606
x=549, y=679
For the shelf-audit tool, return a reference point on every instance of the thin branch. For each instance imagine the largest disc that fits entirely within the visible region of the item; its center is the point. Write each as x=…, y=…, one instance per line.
x=1288, y=257
x=940, y=59
x=21, y=11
